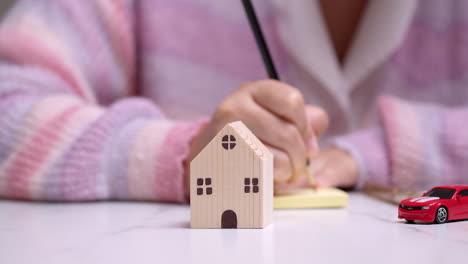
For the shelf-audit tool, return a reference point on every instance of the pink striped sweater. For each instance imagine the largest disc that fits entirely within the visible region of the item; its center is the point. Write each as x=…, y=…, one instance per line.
x=100, y=99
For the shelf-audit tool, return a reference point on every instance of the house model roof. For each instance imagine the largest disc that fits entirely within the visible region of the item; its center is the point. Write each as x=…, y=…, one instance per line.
x=242, y=133
x=252, y=141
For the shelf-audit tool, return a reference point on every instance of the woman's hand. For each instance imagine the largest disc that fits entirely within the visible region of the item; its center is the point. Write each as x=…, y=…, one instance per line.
x=331, y=167
x=277, y=115
x=334, y=167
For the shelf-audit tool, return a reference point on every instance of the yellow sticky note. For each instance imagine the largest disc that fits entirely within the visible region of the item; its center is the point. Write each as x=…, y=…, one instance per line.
x=310, y=198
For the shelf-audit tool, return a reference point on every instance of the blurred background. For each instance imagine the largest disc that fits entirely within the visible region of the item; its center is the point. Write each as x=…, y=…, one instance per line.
x=4, y=6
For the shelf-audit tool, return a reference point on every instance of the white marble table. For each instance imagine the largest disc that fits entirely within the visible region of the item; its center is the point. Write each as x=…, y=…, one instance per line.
x=368, y=231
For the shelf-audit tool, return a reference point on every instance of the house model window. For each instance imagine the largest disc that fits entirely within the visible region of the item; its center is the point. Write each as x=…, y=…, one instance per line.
x=201, y=183
x=248, y=184
x=228, y=142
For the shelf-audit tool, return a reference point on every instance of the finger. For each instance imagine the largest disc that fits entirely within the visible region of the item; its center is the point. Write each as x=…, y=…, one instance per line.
x=286, y=187
x=284, y=101
x=317, y=119
x=317, y=165
x=328, y=178
x=334, y=171
x=282, y=165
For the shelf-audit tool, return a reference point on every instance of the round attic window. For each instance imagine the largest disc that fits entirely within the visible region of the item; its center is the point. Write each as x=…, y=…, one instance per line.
x=228, y=142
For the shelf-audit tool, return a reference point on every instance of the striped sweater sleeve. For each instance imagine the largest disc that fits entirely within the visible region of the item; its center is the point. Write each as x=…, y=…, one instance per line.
x=416, y=146
x=69, y=128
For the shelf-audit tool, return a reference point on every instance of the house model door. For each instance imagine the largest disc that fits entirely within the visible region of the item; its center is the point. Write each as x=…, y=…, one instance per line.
x=229, y=219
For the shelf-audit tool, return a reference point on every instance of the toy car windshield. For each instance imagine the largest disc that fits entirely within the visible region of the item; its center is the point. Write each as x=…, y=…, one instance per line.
x=442, y=193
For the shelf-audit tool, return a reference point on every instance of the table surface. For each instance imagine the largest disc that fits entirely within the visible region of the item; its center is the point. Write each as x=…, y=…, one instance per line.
x=124, y=232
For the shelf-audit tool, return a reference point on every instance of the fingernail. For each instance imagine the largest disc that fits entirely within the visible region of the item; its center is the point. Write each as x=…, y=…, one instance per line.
x=312, y=145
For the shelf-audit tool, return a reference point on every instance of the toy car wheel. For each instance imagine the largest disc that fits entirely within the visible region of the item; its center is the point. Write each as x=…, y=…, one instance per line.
x=409, y=221
x=441, y=215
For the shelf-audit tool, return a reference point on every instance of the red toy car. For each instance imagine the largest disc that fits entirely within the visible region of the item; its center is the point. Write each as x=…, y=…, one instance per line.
x=439, y=204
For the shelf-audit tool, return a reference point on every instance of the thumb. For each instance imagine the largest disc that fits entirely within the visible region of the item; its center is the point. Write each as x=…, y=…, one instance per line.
x=317, y=168
x=317, y=118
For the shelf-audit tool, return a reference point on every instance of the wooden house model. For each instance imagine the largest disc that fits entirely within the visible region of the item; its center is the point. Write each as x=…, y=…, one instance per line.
x=231, y=181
